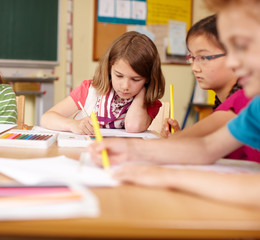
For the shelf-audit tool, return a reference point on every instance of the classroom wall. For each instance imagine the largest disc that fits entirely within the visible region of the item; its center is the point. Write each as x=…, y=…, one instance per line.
x=83, y=66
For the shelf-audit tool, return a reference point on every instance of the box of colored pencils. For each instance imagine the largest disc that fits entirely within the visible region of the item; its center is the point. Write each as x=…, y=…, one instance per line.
x=27, y=138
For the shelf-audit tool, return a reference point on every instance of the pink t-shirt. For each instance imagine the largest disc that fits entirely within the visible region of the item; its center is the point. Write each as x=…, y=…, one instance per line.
x=80, y=93
x=236, y=102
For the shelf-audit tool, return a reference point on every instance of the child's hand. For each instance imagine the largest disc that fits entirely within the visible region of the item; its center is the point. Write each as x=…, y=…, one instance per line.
x=168, y=123
x=82, y=126
x=147, y=175
x=118, y=149
x=141, y=94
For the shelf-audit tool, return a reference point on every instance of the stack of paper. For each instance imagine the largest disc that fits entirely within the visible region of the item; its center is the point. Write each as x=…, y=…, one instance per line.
x=51, y=188
x=19, y=202
x=55, y=170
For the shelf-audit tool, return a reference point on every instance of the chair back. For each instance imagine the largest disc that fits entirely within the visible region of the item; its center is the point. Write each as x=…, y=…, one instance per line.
x=20, y=104
x=163, y=113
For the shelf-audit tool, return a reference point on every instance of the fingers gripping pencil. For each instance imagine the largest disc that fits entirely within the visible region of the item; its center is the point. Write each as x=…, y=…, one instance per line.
x=105, y=160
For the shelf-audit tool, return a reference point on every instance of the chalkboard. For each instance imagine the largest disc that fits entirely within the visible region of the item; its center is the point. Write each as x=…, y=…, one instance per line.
x=29, y=30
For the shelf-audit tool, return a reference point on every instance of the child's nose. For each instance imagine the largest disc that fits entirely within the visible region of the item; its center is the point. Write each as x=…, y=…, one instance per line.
x=125, y=84
x=195, y=67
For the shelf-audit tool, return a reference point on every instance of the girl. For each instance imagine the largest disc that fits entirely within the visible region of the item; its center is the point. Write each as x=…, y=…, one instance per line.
x=203, y=47
x=124, y=92
x=8, y=111
x=237, y=20
x=207, y=56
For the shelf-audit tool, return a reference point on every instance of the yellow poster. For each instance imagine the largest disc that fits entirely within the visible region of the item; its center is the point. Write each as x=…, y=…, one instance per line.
x=161, y=11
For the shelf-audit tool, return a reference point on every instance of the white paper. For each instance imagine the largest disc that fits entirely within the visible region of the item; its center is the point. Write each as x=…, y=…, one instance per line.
x=87, y=207
x=55, y=170
x=177, y=36
x=73, y=140
x=123, y=9
x=106, y=8
x=139, y=10
x=105, y=132
x=5, y=127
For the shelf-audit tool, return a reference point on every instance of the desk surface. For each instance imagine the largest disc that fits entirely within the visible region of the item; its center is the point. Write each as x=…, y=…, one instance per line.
x=137, y=212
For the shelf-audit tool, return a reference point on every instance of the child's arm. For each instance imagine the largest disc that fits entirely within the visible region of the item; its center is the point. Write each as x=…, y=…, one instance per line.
x=233, y=188
x=8, y=105
x=196, y=150
x=59, y=118
x=137, y=119
x=203, y=127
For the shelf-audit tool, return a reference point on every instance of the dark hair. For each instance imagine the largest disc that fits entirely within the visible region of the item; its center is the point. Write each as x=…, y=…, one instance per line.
x=141, y=54
x=233, y=90
x=208, y=28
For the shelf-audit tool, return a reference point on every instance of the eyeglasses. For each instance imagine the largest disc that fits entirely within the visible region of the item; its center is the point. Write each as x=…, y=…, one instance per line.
x=203, y=59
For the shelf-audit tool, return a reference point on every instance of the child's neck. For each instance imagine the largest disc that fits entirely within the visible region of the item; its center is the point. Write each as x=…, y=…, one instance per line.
x=223, y=92
x=221, y=96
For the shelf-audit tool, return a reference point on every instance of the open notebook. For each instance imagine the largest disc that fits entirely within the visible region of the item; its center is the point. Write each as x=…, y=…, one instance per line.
x=67, y=139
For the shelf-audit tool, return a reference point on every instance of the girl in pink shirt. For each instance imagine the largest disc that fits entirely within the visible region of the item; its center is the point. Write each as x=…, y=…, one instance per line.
x=207, y=57
x=124, y=92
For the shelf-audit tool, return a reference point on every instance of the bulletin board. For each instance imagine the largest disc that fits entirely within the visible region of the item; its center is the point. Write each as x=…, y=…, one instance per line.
x=159, y=12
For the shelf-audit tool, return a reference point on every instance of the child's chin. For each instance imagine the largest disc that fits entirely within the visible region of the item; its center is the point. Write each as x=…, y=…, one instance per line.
x=251, y=91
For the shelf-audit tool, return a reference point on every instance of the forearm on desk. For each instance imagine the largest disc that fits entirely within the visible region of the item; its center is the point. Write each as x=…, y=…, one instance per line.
x=240, y=189
x=55, y=121
x=196, y=150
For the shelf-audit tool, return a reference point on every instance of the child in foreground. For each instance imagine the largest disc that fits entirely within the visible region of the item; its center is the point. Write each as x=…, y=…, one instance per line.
x=237, y=20
x=208, y=57
x=124, y=92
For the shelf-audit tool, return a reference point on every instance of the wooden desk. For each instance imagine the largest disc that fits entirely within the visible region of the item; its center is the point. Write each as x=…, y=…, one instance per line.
x=134, y=212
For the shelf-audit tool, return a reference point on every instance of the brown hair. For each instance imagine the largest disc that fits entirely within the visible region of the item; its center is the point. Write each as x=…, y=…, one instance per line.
x=142, y=55
x=250, y=6
x=1, y=79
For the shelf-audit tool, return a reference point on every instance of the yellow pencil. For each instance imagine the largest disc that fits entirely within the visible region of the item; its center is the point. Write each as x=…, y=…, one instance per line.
x=105, y=160
x=172, y=105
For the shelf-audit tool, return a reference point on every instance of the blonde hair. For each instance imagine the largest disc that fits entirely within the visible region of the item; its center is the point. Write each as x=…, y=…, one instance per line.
x=142, y=55
x=251, y=7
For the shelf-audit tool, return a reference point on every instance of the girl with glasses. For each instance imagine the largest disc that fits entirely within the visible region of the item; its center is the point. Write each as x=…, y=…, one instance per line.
x=207, y=57
x=237, y=20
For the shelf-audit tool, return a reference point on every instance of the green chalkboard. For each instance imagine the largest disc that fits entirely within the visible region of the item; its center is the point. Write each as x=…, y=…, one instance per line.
x=29, y=30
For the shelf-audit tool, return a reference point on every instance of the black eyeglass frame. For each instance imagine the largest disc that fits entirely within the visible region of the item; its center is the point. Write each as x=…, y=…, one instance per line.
x=209, y=57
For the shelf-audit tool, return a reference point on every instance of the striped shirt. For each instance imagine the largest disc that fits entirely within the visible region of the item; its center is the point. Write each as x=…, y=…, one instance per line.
x=8, y=110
